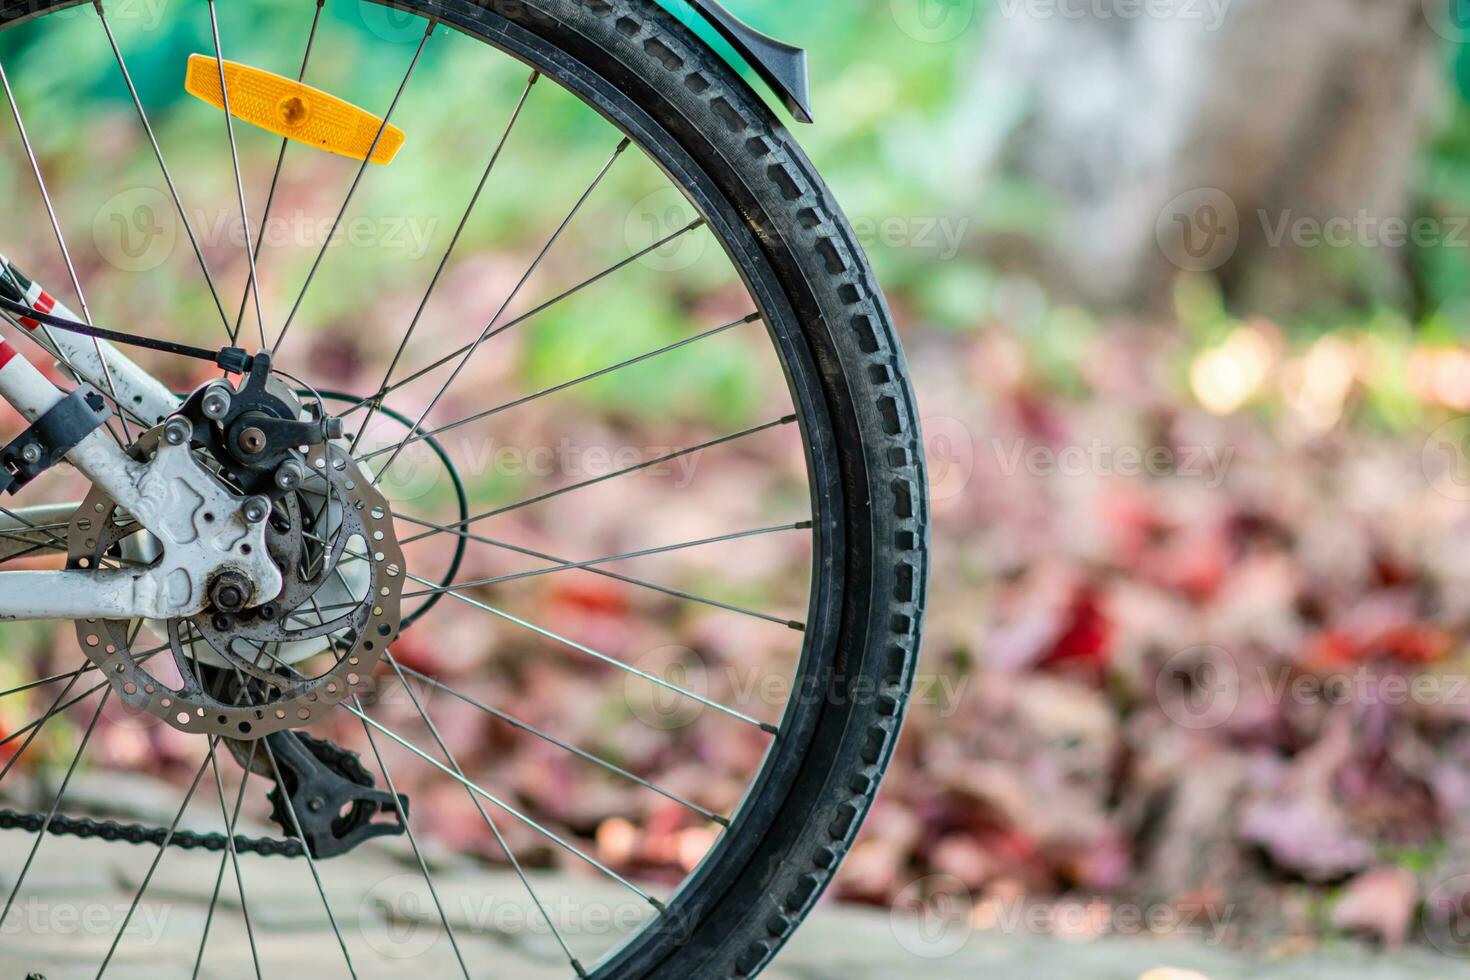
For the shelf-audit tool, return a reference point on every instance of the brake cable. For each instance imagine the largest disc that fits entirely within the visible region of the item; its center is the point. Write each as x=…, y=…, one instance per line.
x=234, y=360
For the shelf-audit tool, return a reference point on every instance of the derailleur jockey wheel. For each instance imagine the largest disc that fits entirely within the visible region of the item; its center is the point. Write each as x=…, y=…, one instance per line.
x=280, y=662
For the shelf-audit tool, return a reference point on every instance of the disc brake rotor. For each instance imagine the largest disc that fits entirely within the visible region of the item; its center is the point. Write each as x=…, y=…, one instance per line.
x=337, y=516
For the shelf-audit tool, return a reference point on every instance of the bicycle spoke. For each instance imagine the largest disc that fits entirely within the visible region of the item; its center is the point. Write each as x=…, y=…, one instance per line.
x=448, y=251
x=554, y=389
x=71, y=268
x=528, y=821
x=231, y=856
x=552, y=739
x=157, y=859
x=35, y=726
x=31, y=525
x=55, y=805
x=254, y=283
x=607, y=573
x=489, y=821
x=413, y=843
x=591, y=563
x=356, y=180
x=158, y=154
x=610, y=661
x=270, y=197
x=525, y=278
x=75, y=674
x=646, y=464
x=306, y=853
x=698, y=222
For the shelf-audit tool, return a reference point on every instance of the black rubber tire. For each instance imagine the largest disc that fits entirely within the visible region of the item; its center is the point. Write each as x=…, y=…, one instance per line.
x=668, y=85
x=685, y=107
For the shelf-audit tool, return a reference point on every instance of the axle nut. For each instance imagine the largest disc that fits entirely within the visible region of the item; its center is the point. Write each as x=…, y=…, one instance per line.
x=230, y=591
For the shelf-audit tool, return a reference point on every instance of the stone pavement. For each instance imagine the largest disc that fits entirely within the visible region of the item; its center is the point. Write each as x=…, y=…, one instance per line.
x=75, y=898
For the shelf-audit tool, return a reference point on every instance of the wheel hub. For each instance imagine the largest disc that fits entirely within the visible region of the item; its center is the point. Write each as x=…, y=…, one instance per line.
x=253, y=665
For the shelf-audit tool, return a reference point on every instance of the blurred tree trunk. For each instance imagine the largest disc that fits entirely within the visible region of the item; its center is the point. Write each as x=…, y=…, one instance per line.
x=1149, y=131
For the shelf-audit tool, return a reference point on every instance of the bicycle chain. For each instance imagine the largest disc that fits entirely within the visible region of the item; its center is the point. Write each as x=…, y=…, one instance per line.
x=345, y=761
x=111, y=830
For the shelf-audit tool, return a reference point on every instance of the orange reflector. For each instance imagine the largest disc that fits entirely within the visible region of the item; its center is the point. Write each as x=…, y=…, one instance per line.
x=291, y=109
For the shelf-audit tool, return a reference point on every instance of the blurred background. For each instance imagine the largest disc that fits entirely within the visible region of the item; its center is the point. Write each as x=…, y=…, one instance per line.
x=1183, y=286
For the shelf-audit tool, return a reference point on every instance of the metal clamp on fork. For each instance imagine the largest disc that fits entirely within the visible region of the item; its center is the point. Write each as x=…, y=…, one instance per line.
x=51, y=437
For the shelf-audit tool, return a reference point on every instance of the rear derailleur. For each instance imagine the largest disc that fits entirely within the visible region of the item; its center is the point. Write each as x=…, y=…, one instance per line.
x=325, y=796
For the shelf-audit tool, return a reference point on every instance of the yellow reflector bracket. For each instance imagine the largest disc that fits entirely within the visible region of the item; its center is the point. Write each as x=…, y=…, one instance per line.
x=291, y=109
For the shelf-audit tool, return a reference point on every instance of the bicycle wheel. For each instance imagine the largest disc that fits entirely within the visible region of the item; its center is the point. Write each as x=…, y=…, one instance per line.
x=792, y=550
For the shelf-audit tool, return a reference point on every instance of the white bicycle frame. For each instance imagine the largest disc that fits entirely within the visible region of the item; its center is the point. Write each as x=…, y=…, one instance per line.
x=197, y=522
